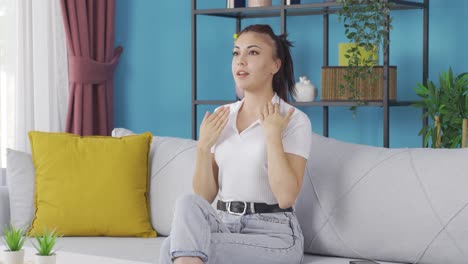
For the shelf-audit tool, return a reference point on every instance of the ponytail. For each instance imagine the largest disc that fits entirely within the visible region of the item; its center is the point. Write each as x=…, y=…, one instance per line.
x=283, y=80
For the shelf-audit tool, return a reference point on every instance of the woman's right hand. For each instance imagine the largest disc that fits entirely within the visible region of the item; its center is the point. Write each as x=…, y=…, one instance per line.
x=212, y=126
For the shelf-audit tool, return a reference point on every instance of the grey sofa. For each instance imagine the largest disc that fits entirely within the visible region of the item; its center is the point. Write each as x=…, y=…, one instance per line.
x=357, y=202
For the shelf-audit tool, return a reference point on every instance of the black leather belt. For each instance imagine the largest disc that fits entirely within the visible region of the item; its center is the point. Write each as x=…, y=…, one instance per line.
x=242, y=208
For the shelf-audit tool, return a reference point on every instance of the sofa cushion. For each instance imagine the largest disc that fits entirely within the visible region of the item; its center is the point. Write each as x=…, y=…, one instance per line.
x=20, y=182
x=318, y=259
x=172, y=162
x=402, y=205
x=128, y=248
x=91, y=186
x=4, y=208
x=147, y=249
x=2, y=176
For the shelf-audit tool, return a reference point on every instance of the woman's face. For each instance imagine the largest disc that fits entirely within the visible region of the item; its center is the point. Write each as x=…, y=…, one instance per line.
x=254, y=61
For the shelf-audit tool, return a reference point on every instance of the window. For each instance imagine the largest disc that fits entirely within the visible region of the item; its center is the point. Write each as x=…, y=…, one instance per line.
x=7, y=79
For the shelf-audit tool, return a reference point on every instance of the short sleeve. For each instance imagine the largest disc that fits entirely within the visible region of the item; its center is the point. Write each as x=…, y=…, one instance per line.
x=297, y=138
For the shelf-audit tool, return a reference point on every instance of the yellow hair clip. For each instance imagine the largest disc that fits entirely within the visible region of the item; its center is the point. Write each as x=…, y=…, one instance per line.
x=235, y=36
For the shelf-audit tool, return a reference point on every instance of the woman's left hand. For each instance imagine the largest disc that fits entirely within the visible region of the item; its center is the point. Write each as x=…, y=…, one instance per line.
x=273, y=122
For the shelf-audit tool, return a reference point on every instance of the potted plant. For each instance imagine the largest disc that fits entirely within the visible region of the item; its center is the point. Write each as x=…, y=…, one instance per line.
x=465, y=122
x=446, y=105
x=14, y=241
x=367, y=24
x=45, y=245
x=462, y=99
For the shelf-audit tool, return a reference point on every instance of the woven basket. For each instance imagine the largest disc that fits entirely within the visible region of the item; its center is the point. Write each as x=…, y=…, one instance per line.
x=333, y=76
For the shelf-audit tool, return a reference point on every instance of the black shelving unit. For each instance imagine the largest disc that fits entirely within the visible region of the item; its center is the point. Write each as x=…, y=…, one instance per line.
x=320, y=8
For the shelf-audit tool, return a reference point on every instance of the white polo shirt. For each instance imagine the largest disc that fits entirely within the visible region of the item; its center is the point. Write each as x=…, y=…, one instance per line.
x=242, y=158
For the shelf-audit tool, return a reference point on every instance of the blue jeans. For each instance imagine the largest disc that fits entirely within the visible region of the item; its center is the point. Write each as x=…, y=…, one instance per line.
x=217, y=237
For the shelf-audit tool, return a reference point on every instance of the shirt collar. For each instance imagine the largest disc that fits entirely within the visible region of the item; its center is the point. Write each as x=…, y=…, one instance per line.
x=274, y=100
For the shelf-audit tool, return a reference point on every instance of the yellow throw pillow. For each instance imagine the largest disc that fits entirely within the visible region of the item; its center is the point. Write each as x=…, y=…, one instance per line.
x=91, y=186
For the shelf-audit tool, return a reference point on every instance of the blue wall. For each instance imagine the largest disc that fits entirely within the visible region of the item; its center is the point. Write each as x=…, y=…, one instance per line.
x=153, y=79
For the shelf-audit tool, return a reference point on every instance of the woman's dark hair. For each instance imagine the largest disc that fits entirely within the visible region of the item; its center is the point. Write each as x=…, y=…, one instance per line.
x=283, y=80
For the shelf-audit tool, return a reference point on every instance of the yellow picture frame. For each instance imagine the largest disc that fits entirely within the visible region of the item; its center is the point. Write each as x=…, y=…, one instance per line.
x=343, y=50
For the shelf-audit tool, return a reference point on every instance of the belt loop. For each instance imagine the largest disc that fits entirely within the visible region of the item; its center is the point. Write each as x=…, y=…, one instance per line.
x=252, y=207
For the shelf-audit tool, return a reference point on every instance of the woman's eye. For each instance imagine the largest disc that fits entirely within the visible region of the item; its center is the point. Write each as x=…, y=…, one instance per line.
x=253, y=52
x=235, y=53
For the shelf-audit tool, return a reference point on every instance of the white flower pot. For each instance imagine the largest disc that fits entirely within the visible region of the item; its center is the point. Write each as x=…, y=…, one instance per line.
x=13, y=257
x=46, y=259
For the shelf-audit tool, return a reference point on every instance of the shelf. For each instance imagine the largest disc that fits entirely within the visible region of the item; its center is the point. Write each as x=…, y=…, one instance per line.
x=292, y=10
x=316, y=103
x=213, y=102
x=317, y=8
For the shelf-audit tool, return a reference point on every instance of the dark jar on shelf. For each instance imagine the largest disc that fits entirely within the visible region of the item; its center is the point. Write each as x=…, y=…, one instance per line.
x=293, y=2
x=235, y=3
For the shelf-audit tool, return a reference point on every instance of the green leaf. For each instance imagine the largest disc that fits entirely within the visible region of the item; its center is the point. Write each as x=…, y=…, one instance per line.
x=46, y=242
x=13, y=238
x=426, y=139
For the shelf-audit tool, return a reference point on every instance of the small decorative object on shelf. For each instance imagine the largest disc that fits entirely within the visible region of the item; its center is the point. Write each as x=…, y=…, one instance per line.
x=14, y=241
x=305, y=90
x=293, y=2
x=256, y=3
x=235, y=3
x=45, y=246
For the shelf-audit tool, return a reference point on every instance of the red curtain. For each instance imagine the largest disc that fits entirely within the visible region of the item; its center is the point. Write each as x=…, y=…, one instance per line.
x=92, y=59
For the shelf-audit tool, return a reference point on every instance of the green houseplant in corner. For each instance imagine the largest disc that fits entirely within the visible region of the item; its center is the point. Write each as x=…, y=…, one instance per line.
x=14, y=241
x=45, y=245
x=447, y=106
x=367, y=24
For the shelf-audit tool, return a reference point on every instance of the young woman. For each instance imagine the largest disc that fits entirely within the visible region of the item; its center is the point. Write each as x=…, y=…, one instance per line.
x=252, y=153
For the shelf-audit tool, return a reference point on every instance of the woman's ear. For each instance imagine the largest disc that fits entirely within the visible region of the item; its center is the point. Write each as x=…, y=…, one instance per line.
x=276, y=66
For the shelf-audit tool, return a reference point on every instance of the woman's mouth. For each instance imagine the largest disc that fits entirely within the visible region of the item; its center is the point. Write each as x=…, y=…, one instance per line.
x=242, y=74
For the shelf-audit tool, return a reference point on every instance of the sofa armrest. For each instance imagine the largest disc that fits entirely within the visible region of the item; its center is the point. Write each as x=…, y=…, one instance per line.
x=4, y=208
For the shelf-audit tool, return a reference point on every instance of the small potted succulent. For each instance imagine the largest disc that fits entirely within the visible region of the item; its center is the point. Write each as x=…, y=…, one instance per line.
x=14, y=241
x=45, y=245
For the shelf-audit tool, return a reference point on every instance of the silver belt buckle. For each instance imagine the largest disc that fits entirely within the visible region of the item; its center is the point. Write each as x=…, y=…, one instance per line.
x=229, y=209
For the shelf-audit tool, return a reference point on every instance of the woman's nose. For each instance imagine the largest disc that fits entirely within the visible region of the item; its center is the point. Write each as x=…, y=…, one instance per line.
x=241, y=61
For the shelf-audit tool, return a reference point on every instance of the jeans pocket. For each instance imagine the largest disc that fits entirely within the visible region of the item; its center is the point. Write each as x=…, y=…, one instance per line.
x=279, y=218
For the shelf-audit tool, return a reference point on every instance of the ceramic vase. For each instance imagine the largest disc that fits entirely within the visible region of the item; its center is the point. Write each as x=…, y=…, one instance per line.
x=255, y=3
x=52, y=259
x=305, y=90
x=13, y=257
